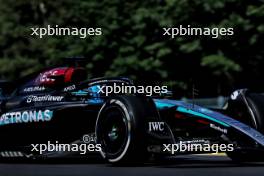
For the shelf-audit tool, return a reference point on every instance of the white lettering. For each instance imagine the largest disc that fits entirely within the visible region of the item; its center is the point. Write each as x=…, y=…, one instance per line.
x=25, y=117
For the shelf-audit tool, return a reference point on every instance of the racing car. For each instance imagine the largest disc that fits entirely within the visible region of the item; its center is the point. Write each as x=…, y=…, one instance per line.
x=60, y=106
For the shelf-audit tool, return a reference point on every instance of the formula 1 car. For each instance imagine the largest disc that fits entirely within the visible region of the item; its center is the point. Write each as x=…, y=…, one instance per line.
x=58, y=106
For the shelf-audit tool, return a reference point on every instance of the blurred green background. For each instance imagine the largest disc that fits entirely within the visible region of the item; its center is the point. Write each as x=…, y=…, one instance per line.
x=132, y=43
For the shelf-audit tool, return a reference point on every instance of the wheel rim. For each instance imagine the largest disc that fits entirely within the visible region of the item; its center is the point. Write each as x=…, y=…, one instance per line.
x=113, y=132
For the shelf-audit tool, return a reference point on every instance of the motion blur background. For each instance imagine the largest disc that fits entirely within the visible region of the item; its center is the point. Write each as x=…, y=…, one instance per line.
x=132, y=43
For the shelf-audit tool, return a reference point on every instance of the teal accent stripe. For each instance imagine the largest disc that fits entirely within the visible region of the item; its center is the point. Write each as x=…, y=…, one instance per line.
x=189, y=111
x=161, y=105
x=80, y=92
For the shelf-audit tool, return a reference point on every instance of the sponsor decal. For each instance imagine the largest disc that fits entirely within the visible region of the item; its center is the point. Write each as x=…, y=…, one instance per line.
x=26, y=117
x=234, y=95
x=44, y=77
x=223, y=130
x=156, y=126
x=34, y=89
x=69, y=88
x=33, y=98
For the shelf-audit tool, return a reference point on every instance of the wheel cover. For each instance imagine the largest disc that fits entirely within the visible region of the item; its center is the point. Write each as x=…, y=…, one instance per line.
x=113, y=130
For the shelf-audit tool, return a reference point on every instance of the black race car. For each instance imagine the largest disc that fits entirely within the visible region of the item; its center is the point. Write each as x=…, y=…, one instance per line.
x=57, y=113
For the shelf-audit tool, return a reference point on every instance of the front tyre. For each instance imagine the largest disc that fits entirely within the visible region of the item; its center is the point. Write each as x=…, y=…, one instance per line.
x=120, y=128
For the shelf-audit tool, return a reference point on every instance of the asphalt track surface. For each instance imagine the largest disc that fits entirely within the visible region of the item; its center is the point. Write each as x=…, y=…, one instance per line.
x=196, y=165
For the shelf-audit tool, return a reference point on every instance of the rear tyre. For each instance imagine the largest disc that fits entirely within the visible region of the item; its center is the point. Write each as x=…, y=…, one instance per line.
x=120, y=128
